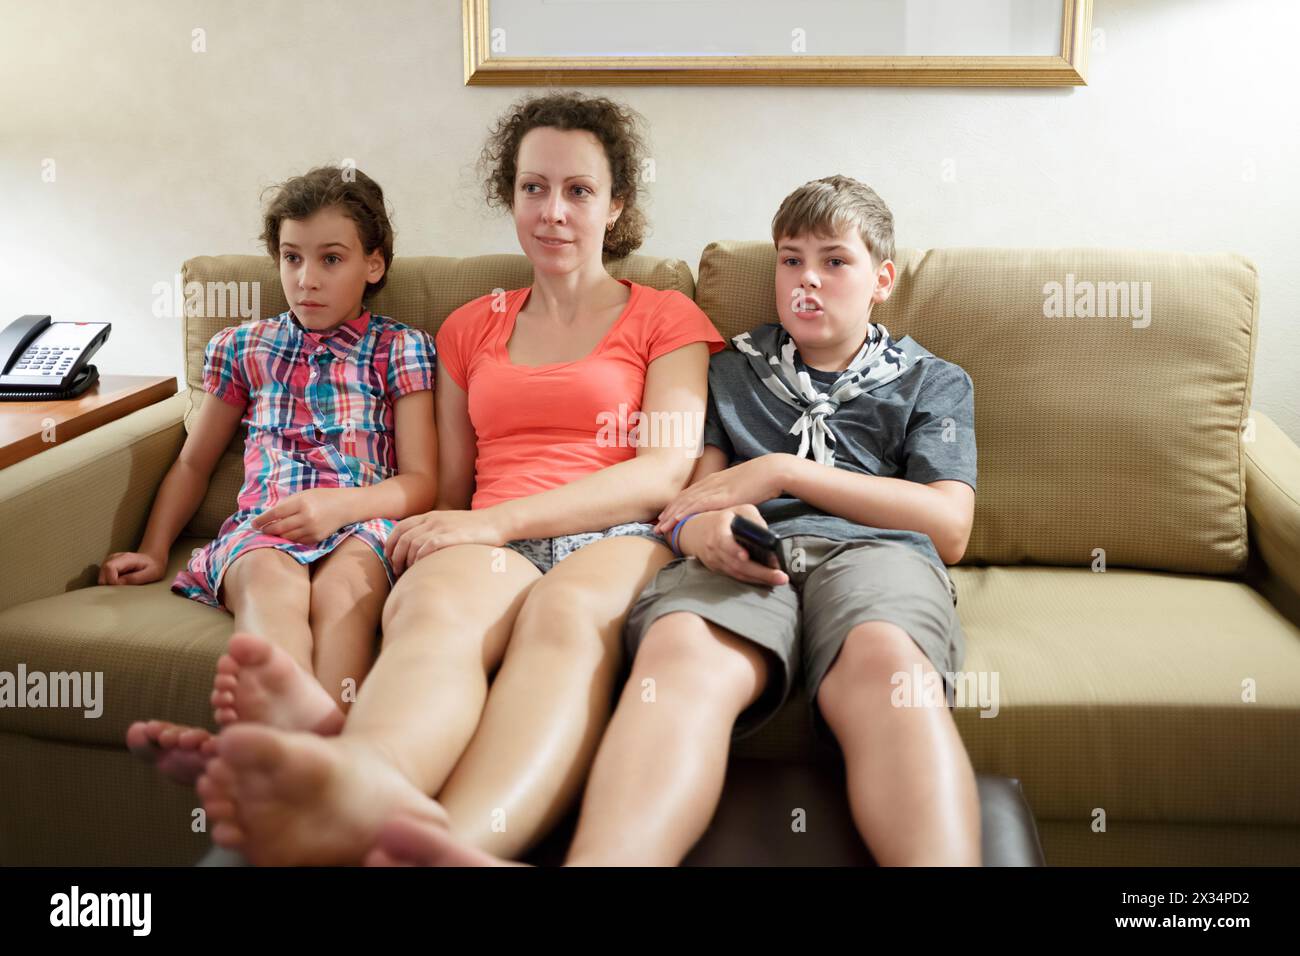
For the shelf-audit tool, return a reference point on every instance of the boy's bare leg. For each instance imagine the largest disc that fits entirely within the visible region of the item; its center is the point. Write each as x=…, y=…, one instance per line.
x=300, y=798
x=911, y=785
x=550, y=703
x=659, y=772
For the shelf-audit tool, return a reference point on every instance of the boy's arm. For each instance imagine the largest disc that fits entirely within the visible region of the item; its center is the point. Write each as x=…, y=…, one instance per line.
x=944, y=510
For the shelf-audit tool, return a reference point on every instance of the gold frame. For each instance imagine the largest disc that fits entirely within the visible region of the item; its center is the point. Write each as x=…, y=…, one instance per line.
x=1068, y=69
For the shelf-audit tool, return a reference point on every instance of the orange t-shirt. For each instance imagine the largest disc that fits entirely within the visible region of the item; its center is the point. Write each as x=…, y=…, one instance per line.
x=538, y=426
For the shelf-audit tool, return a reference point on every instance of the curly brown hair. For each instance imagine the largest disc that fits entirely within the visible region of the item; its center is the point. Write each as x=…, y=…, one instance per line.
x=620, y=131
x=354, y=193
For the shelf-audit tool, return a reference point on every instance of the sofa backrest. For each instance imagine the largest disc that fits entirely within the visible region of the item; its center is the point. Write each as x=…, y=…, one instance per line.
x=1114, y=433
x=1115, y=438
x=421, y=291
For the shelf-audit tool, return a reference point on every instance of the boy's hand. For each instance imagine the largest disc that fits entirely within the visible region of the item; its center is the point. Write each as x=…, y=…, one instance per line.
x=708, y=537
x=749, y=483
x=306, y=517
x=131, y=567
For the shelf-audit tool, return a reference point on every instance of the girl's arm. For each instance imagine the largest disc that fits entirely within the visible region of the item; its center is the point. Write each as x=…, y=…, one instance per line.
x=413, y=489
x=676, y=387
x=182, y=490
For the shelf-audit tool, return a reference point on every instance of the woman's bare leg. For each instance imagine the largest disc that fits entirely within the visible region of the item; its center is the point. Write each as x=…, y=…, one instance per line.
x=659, y=772
x=551, y=700
x=301, y=798
x=911, y=784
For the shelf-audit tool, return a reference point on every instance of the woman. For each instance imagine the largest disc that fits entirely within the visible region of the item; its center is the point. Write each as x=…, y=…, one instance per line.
x=541, y=540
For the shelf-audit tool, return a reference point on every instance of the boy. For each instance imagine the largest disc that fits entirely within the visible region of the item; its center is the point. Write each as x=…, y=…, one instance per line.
x=859, y=452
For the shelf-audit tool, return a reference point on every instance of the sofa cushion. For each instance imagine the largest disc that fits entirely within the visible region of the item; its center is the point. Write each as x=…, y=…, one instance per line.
x=421, y=291
x=157, y=652
x=1093, y=433
x=1122, y=691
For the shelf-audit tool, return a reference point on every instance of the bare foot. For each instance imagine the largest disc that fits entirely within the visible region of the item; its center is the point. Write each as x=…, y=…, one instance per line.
x=297, y=799
x=180, y=753
x=259, y=682
x=408, y=841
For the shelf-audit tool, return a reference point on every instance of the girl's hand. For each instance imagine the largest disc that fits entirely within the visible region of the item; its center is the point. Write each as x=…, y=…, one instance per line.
x=708, y=537
x=749, y=483
x=306, y=517
x=131, y=567
x=421, y=535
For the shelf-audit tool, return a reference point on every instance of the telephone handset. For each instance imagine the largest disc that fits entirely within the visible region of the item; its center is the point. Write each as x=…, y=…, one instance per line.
x=40, y=359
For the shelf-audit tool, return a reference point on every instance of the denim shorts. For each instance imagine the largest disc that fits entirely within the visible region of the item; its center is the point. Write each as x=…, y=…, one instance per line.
x=546, y=553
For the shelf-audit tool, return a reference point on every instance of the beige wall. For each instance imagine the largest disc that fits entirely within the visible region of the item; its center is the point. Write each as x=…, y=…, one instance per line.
x=1185, y=138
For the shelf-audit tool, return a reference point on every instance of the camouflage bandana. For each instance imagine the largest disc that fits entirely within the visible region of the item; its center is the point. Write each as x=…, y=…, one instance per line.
x=775, y=360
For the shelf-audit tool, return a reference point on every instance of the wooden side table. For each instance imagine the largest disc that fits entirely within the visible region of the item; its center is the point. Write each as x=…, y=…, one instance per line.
x=26, y=428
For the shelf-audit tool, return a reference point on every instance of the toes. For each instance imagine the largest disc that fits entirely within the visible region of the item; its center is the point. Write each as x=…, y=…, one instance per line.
x=191, y=738
x=226, y=716
x=228, y=835
x=227, y=682
x=227, y=666
x=137, y=739
x=222, y=698
x=249, y=650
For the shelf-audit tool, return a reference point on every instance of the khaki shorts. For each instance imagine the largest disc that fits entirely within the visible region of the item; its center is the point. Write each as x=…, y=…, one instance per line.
x=836, y=586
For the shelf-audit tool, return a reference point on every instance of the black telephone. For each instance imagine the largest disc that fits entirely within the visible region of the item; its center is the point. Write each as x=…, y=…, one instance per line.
x=40, y=359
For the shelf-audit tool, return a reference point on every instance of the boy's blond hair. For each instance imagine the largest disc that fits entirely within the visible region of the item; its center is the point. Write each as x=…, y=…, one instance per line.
x=826, y=207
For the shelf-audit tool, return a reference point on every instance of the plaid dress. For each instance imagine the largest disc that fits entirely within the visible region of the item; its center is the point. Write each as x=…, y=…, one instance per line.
x=319, y=411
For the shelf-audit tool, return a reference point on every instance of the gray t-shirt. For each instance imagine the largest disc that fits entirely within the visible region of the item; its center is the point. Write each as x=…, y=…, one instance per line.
x=920, y=426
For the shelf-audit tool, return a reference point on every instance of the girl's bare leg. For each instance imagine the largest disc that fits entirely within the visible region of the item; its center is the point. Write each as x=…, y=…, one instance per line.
x=269, y=593
x=551, y=700
x=348, y=591
x=659, y=772
x=911, y=785
x=258, y=681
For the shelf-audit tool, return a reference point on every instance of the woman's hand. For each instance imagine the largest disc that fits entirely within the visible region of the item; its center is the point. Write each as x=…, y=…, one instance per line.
x=131, y=567
x=421, y=535
x=708, y=537
x=306, y=517
x=749, y=483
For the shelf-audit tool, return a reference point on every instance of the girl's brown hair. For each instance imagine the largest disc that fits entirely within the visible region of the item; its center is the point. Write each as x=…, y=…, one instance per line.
x=619, y=129
x=355, y=194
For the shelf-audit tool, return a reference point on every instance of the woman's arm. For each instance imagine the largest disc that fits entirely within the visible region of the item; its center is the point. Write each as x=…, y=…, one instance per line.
x=186, y=483
x=676, y=387
x=458, y=444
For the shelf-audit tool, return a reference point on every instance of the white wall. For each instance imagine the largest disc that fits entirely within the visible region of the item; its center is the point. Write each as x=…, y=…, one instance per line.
x=1185, y=139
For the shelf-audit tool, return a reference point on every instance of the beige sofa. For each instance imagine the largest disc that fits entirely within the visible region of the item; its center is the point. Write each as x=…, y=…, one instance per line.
x=1131, y=581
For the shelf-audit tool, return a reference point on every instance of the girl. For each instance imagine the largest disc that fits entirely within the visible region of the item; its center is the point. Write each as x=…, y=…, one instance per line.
x=341, y=442
x=541, y=541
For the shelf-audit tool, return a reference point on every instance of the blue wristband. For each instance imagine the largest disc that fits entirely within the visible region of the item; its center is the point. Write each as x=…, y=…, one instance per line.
x=677, y=529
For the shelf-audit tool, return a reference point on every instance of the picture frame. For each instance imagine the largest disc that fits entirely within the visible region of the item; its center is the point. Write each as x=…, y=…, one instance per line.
x=491, y=44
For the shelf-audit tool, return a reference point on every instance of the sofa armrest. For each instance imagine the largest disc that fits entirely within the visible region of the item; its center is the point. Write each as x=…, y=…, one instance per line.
x=1273, y=513
x=64, y=510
